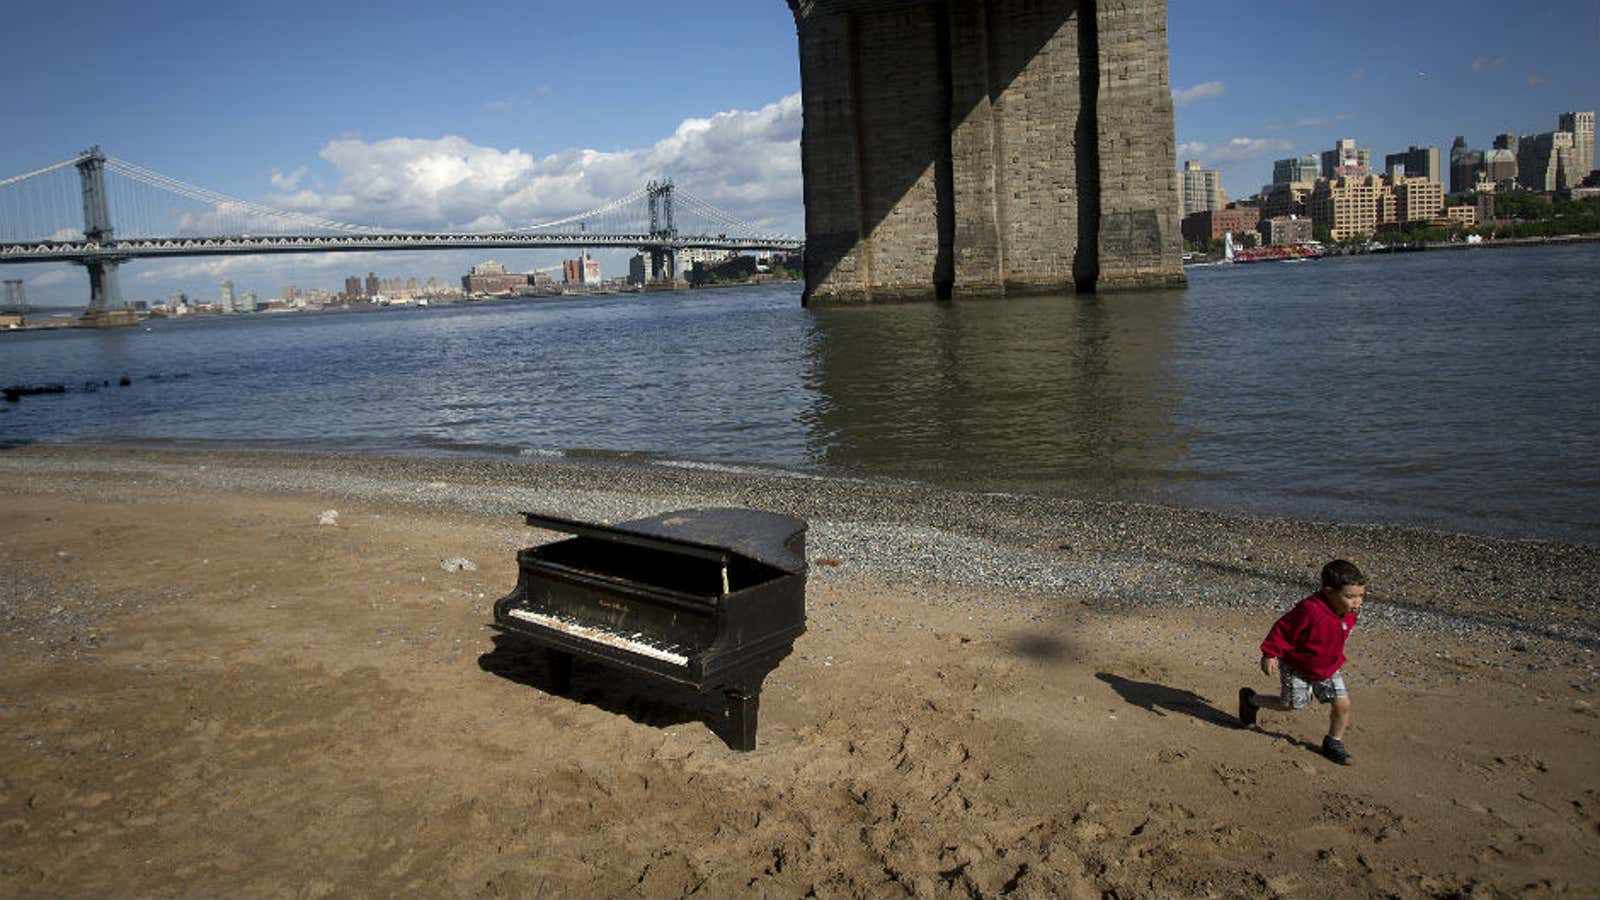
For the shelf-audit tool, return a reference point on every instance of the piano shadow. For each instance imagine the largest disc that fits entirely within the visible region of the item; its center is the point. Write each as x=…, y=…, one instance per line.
x=647, y=701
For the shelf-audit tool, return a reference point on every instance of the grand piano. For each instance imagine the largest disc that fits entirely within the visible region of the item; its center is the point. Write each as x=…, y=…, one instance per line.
x=709, y=598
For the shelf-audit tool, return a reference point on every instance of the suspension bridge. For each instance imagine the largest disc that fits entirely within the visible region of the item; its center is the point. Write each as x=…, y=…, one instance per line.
x=64, y=213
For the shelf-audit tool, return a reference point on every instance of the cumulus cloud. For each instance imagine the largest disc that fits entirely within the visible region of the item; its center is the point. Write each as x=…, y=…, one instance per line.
x=1203, y=91
x=746, y=162
x=289, y=182
x=1236, y=150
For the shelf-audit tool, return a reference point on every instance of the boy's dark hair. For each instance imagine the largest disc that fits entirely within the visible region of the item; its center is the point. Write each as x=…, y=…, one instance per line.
x=1341, y=574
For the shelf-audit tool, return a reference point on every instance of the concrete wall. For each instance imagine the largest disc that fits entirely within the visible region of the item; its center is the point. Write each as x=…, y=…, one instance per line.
x=982, y=147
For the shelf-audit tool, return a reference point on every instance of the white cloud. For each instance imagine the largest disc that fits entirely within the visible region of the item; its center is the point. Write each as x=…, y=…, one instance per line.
x=49, y=279
x=1236, y=150
x=287, y=182
x=746, y=162
x=222, y=266
x=1203, y=91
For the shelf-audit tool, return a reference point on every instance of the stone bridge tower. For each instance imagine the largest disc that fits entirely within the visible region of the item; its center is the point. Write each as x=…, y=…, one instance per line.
x=986, y=147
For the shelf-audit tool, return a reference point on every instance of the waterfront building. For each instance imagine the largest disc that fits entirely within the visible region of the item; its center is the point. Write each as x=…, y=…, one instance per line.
x=1211, y=224
x=1296, y=169
x=1545, y=161
x=1416, y=162
x=1352, y=205
x=373, y=287
x=249, y=303
x=1416, y=199
x=1346, y=160
x=226, y=303
x=1506, y=141
x=1202, y=188
x=1581, y=126
x=1285, y=230
x=352, y=287
x=1465, y=164
x=583, y=270
x=490, y=277
x=1462, y=216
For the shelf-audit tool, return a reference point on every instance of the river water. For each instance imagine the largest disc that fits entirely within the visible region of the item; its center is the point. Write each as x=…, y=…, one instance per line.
x=1450, y=390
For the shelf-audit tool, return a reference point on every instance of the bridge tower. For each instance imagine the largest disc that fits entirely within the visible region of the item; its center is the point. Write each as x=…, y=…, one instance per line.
x=105, y=298
x=986, y=147
x=663, y=260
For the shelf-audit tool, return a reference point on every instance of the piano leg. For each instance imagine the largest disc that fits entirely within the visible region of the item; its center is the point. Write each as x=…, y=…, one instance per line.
x=560, y=665
x=740, y=710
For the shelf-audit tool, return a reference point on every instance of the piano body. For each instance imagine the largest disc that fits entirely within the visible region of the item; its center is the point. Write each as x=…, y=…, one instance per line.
x=709, y=598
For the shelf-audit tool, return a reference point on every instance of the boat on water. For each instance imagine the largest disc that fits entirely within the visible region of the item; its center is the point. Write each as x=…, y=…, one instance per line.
x=1274, y=253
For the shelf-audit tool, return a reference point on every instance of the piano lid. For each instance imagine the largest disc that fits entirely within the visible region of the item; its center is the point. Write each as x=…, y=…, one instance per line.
x=706, y=533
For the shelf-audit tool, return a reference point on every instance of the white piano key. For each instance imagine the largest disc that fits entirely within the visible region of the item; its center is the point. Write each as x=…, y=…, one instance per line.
x=599, y=636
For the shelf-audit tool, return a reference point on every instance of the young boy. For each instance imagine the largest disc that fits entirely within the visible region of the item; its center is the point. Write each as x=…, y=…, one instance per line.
x=1309, y=640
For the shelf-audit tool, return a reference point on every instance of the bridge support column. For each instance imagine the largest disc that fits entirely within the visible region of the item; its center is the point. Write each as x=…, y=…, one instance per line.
x=986, y=147
x=106, y=307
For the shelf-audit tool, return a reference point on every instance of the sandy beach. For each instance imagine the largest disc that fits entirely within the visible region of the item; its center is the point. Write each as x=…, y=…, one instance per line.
x=209, y=692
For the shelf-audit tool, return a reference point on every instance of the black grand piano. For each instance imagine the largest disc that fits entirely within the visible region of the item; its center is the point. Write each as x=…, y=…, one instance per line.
x=709, y=598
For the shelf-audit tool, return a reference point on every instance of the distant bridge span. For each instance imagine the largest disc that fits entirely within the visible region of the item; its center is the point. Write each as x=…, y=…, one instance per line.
x=121, y=250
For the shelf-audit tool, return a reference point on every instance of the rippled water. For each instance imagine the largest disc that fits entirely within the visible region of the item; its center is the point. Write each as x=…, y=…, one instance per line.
x=1453, y=390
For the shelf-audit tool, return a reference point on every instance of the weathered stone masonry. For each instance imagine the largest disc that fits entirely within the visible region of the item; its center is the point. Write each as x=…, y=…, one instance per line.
x=986, y=147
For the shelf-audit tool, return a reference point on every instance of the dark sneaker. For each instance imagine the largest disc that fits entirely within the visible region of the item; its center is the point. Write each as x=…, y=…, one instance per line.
x=1333, y=748
x=1247, y=708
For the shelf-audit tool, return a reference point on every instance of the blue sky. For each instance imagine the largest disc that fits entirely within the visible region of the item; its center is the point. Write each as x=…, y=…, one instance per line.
x=326, y=105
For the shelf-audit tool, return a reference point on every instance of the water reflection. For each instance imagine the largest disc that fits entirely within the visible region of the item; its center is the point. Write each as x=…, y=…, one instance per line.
x=1070, y=394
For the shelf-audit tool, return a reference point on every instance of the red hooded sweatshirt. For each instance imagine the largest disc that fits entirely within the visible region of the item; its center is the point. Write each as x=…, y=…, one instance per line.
x=1310, y=638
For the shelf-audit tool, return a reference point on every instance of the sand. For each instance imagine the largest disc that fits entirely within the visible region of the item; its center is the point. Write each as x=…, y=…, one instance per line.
x=206, y=692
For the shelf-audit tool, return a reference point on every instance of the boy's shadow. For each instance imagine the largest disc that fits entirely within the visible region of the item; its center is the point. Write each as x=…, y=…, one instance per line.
x=1158, y=697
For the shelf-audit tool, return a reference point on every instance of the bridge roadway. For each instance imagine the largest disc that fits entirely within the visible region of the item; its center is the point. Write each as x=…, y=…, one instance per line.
x=158, y=248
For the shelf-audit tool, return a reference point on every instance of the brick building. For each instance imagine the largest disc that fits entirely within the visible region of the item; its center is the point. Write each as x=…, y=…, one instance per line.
x=1211, y=224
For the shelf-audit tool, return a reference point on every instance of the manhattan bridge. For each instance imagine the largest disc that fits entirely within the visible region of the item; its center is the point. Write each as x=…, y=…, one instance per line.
x=99, y=211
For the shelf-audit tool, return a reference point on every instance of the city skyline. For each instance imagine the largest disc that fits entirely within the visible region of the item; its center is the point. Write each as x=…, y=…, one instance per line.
x=425, y=120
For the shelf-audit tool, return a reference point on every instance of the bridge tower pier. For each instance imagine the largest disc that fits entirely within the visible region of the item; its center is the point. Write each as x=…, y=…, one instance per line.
x=106, y=307
x=986, y=147
x=663, y=258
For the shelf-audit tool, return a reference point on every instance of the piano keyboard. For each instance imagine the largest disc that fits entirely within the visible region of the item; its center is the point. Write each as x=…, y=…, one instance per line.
x=631, y=643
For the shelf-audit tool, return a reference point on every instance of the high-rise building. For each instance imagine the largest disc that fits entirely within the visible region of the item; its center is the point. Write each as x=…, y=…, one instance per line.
x=1581, y=126
x=1346, y=160
x=227, y=304
x=1500, y=165
x=1202, y=189
x=1417, y=199
x=1352, y=206
x=1286, y=199
x=1465, y=164
x=1296, y=168
x=1545, y=161
x=374, y=288
x=352, y=287
x=1417, y=162
x=1506, y=141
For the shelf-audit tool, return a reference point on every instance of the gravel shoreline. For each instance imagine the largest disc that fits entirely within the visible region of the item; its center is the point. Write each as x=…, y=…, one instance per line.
x=976, y=547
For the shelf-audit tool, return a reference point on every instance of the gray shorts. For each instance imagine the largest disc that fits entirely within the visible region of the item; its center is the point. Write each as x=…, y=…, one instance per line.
x=1296, y=690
